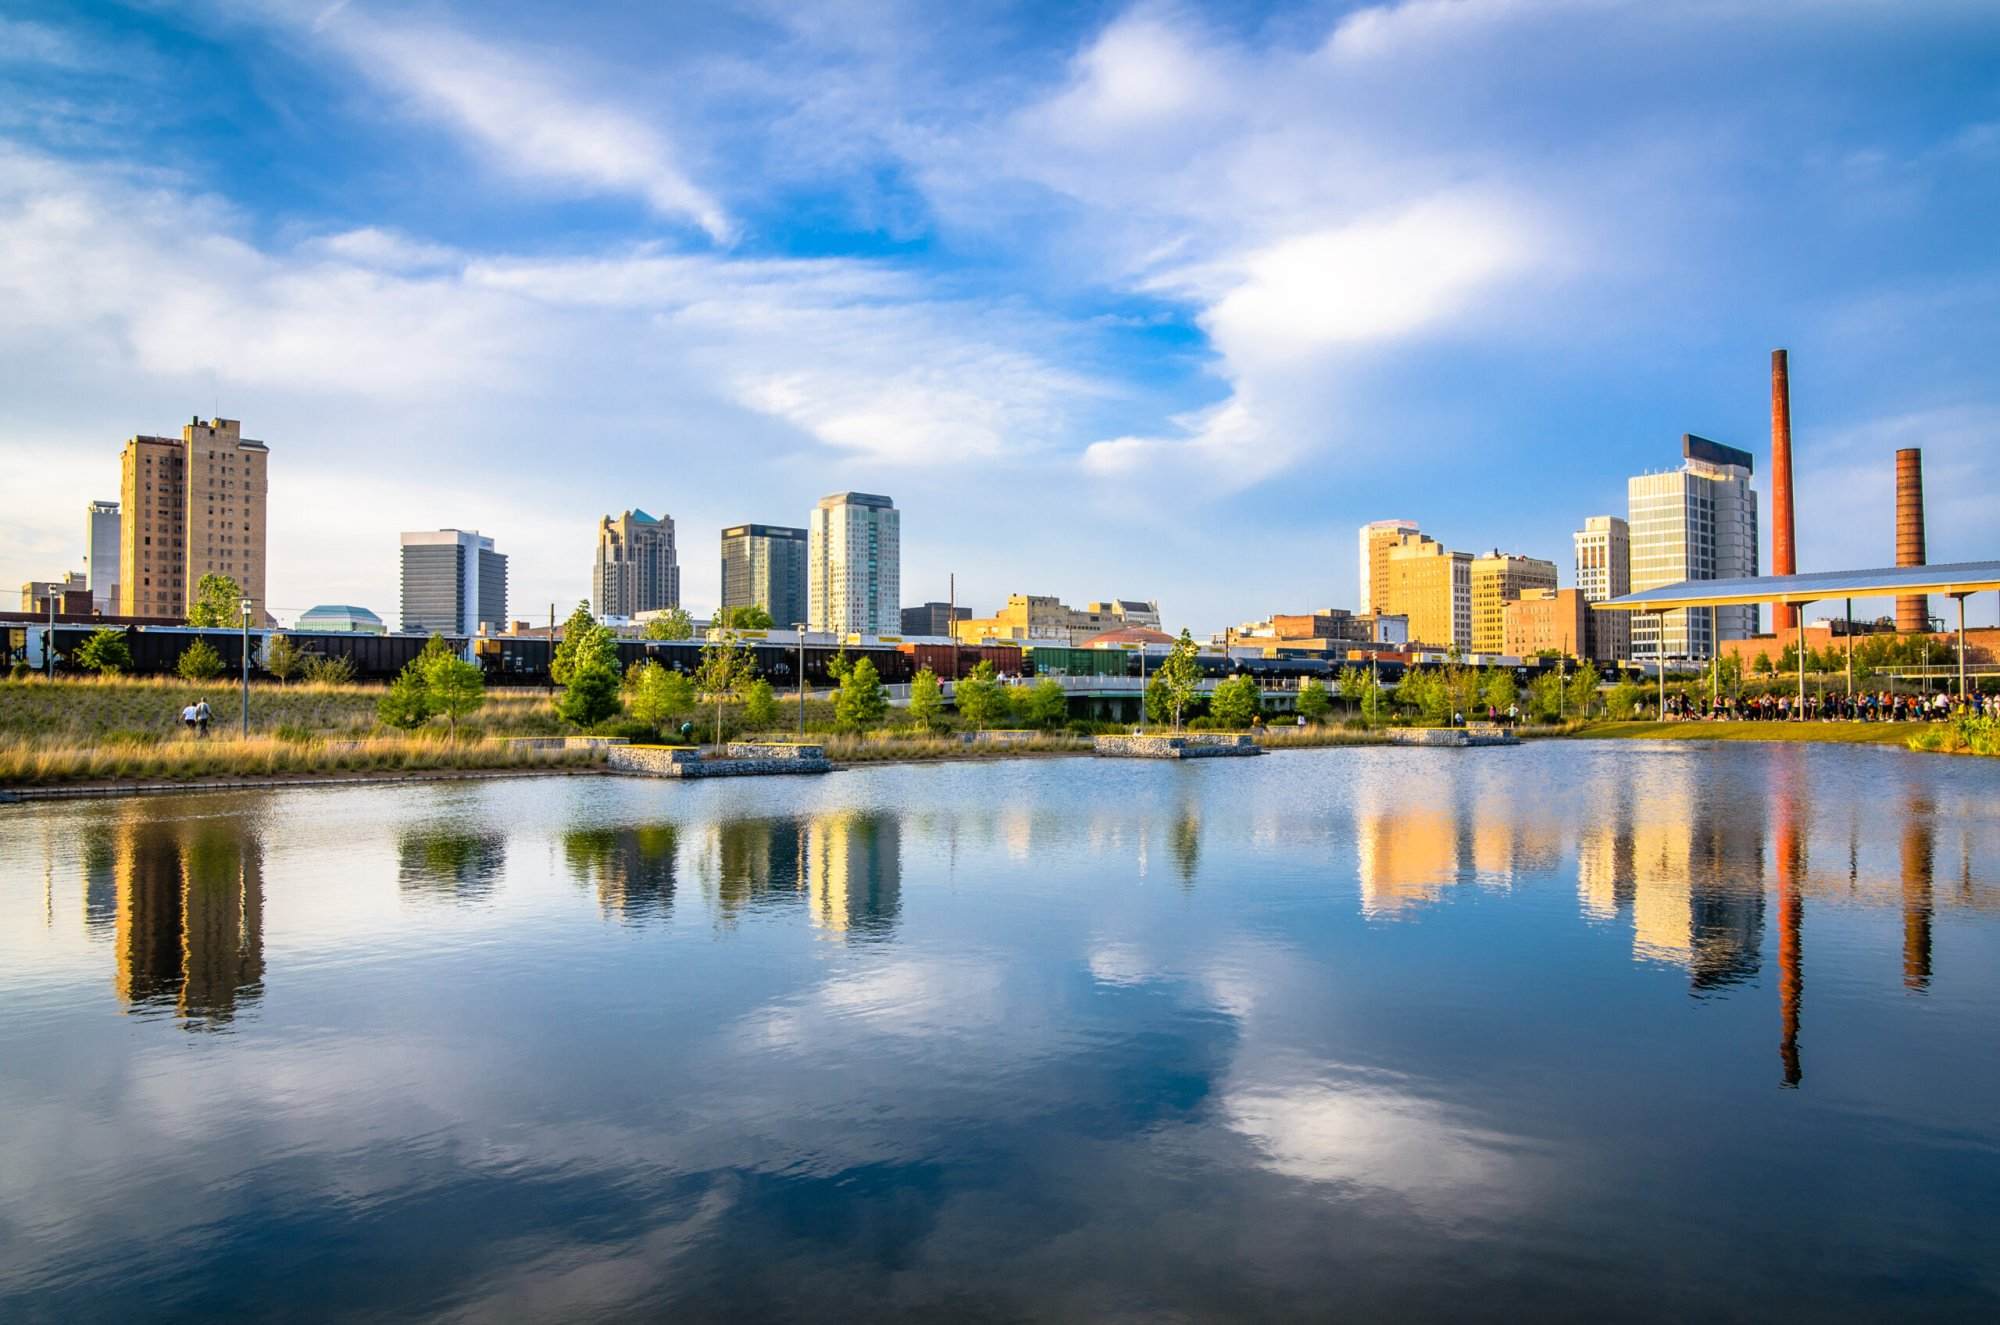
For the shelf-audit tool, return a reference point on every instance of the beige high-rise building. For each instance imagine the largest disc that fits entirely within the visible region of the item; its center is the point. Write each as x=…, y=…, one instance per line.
x=192, y=506
x=636, y=568
x=1377, y=538
x=1604, y=570
x=1432, y=586
x=1499, y=578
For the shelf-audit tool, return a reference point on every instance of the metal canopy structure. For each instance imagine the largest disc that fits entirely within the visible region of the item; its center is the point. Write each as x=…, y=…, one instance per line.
x=1957, y=580
x=1951, y=579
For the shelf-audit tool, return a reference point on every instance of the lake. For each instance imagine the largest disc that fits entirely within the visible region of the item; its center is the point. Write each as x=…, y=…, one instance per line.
x=1578, y=1029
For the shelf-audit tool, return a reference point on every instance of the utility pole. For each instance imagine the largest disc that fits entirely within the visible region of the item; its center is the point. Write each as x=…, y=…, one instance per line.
x=49, y=640
x=951, y=624
x=246, y=669
x=551, y=672
x=800, y=626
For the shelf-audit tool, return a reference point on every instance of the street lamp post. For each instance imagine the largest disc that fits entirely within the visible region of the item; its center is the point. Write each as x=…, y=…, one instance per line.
x=49, y=640
x=246, y=669
x=800, y=626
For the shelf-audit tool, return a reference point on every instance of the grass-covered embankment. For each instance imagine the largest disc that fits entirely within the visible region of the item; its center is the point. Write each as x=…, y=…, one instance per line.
x=1814, y=733
x=32, y=764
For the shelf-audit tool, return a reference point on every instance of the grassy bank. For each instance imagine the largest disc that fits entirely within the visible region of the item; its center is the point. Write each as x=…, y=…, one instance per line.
x=30, y=763
x=1815, y=733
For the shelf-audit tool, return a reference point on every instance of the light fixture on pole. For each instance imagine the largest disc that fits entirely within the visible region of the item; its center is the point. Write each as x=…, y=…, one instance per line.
x=800, y=626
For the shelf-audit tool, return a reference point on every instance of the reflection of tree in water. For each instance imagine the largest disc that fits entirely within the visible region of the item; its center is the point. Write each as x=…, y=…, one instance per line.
x=189, y=922
x=456, y=867
x=631, y=868
x=757, y=860
x=1184, y=839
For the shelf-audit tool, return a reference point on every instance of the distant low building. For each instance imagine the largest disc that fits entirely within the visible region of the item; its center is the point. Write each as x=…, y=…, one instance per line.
x=1127, y=637
x=1045, y=619
x=341, y=617
x=1561, y=621
x=933, y=619
x=71, y=595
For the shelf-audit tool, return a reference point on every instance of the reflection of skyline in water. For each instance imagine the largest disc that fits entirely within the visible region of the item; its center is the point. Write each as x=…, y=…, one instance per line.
x=631, y=869
x=448, y=866
x=188, y=915
x=854, y=873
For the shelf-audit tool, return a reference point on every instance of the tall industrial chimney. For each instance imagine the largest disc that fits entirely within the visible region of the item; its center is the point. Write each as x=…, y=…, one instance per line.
x=1913, y=611
x=1784, y=551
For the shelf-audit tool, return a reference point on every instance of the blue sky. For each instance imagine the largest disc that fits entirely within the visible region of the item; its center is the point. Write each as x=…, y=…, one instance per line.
x=1146, y=300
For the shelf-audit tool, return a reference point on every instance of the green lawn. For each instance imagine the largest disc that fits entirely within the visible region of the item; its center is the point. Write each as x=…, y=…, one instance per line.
x=1821, y=733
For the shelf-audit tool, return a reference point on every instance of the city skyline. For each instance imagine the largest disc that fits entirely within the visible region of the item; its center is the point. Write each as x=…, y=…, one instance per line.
x=1070, y=276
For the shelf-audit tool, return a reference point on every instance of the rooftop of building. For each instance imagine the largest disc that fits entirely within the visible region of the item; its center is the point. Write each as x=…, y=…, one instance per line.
x=1113, y=639
x=857, y=499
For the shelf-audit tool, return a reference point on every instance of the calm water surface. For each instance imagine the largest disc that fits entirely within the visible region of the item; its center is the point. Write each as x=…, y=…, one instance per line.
x=1563, y=1031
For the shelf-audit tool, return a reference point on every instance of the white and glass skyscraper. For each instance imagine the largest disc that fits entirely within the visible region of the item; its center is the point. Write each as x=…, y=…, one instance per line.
x=453, y=582
x=853, y=565
x=1698, y=522
x=1604, y=570
x=100, y=558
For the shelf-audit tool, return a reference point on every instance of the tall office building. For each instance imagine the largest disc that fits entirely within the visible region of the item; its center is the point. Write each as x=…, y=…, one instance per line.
x=636, y=568
x=1698, y=522
x=191, y=507
x=764, y=565
x=1376, y=540
x=453, y=582
x=853, y=565
x=1499, y=578
x=1432, y=586
x=100, y=555
x=1604, y=570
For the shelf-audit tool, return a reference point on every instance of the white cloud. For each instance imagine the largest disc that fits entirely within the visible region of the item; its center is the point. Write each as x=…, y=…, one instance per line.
x=523, y=117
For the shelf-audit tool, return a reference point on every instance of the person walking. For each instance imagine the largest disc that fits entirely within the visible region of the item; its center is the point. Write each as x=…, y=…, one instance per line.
x=187, y=717
x=202, y=714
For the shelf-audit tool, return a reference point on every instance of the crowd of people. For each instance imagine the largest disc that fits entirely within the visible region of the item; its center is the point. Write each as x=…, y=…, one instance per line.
x=1862, y=706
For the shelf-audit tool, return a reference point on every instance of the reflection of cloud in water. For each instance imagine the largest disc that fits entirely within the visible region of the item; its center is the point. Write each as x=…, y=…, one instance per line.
x=1369, y=1134
x=1119, y=964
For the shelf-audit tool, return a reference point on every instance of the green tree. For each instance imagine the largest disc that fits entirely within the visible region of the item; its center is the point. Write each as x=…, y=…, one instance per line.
x=1581, y=700
x=592, y=693
x=1180, y=677
x=217, y=602
x=105, y=652
x=927, y=700
x=199, y=661
x=1236, y=701
x=1623, y=701
x=746, y=617
x=1462, y=689
x=1545, y=697
x=580, y=632
x=1159, y=705
x=407, y=702
x=1763, y=665
x=861, y=701
x=670, y=624
x=1314, y=703
x=760, y=705
x=979, y=697
x=1047, y=703
x=283, y=658
x=1500, y=689
x=454, y=687
x=1351, y=681
x=726, y=667
x=658, y=693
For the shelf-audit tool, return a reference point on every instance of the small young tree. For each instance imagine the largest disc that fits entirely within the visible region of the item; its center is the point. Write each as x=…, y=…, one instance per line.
x=283, y=658
x=861, y=701
x=1352, y=682
x=1582, y=698
x=199, y=661
x=1500, y=689
x=406, y=704
x=1545, y=697
x=658, y=693
x=927, y=700
x=1374, y=704
x=1623, y=700
x=726, y=667
x=1314, y=703
x=591, y=695
x=760, y=705
x=670, y=625
x=105, y=652
x=455, y=687
x=1180, y=677
x=1236, y=701
x=979, y=697
x=217, y=602
x=1158, y=704
x=1048, y=703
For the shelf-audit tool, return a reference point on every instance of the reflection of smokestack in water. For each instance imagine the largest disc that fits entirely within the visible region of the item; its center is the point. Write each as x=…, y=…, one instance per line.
x=1784, y=551
x=1917, y=902
x=1913, y=611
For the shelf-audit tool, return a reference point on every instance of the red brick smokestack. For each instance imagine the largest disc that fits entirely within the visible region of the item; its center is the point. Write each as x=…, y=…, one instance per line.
x=1913, y=611
x=1784, y=551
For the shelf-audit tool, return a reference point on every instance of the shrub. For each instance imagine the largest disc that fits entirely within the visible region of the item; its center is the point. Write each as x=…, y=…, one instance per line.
x=1236, y=702
x=283, y=658
x=927, y=700
x=455, y=687
x=1046, y=704
x=406, y=704
x=659, y=693
x=20, y=671
x=296, y=733
x=860, y=701
x=760, y=705
x=632, y=729
x=979, y=696
x=318, y=669
x=1314, y=703
x=592, y=694
x=199, y=661
x=106, y=652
